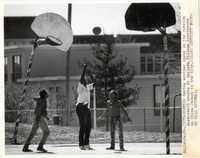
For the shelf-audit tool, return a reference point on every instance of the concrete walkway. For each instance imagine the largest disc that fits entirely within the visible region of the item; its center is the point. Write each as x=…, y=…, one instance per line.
x=99, y=149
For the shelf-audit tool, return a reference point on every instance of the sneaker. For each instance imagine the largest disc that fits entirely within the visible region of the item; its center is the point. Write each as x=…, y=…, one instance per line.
x=111, y=148
x=122, y=149
x=41, y=149
x=26, y=150
x=88, y=147
x=82, y=147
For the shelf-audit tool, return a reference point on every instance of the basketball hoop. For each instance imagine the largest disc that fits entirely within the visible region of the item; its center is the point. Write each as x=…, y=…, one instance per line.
x=48, y=40
x=51, y=29
x=53, y=41
x=55, y=29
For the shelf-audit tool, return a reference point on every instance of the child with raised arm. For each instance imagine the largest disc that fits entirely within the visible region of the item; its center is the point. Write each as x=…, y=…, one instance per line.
x=113, y=109
x=83, y=110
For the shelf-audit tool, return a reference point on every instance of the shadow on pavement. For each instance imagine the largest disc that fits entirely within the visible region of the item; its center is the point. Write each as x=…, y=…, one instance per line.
x=65, y=145
x=45, y=152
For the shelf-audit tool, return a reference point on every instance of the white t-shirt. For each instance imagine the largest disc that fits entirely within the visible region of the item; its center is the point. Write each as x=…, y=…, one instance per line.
x=84, y=93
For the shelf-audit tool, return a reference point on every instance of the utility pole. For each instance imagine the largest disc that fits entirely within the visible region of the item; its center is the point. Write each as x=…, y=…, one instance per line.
x=67, y=103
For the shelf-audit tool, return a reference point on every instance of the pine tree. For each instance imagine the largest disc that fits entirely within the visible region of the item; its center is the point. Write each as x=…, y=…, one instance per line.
x=111, y=74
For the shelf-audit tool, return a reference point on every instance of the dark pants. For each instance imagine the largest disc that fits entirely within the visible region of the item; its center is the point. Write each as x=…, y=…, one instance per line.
x=116, y=122
x=85, y=122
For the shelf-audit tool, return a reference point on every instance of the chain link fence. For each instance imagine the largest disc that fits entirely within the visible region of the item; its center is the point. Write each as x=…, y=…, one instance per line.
x=143, y=119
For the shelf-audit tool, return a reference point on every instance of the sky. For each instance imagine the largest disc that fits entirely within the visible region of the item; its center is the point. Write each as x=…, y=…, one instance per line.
x=85, y=16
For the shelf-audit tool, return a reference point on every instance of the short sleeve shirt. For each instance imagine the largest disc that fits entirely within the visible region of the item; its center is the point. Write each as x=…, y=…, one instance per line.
x=114, y=108
x=84, y=93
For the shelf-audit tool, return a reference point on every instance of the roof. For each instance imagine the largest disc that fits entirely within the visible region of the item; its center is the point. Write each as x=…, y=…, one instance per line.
x=20, y=28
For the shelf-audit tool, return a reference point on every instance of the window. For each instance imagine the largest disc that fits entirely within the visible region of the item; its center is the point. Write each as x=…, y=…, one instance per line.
x=159, y=99
x=154, y=63
x=143, y=65
x=6, y=69
x=150, y=64
x=17, y=67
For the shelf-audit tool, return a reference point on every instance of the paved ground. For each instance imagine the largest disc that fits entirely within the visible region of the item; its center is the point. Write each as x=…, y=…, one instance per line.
x=99, y=149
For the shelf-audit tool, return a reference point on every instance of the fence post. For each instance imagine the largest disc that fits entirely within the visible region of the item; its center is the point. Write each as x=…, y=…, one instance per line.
x=144, y=119
x=95, y=108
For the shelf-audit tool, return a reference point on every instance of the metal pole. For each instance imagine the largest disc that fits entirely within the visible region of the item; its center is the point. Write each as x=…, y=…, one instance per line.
x=95, y=109
x=161, y=112
x=107, y=118
x=166, y=92
x=174, y=114
x=163, y=31
x=144, y=119
x=23, y=94
x=68, y=73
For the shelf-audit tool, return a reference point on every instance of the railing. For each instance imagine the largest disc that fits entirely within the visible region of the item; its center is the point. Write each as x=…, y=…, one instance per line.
x=143, y=119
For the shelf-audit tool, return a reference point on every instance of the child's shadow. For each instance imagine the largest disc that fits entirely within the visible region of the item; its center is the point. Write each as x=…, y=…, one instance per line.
x=45, y=152
x=119, y=151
